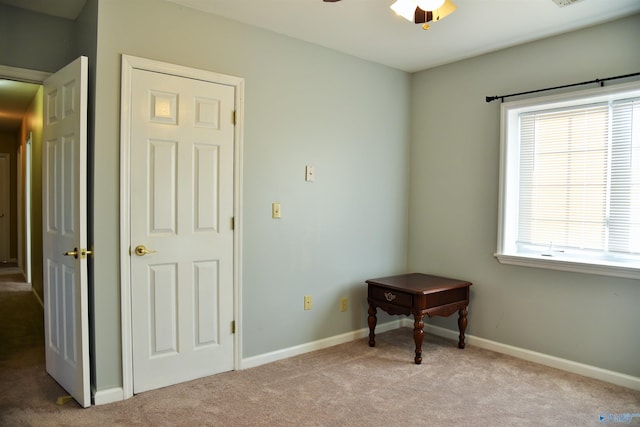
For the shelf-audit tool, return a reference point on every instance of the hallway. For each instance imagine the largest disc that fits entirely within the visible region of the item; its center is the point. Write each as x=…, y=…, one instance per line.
x=24, y=382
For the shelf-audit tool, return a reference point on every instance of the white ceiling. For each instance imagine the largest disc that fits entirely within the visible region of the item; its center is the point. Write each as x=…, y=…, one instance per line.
x=369, y=30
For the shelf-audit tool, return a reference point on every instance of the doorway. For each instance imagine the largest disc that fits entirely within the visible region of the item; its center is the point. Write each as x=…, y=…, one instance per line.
x=19, y=98
x=57, y=115
x=191, y=228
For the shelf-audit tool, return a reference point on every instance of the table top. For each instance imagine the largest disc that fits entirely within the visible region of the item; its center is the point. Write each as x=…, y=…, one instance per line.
x=419, y=283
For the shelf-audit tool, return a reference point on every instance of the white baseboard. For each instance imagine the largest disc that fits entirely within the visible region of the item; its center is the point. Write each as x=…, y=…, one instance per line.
x=252, y=362
x=104, y=397
x=110, y=395
x=117, y=394
x=612, y=377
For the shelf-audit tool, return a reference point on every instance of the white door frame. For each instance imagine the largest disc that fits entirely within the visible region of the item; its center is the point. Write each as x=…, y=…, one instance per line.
x=20, y=213
x=23, y=74
x=129, y=63
x=27, y=207
x=5, y=206
x=24, y=208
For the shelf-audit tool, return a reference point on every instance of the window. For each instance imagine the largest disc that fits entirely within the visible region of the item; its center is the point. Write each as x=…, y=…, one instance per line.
x=570, y=182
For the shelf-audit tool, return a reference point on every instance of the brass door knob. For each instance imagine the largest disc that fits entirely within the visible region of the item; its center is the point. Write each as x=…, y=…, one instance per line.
x=141, y=250
x=85, y=252
x=73, y=253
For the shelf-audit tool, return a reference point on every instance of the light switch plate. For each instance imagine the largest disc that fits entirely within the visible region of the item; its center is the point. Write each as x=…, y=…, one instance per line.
x=310, y=174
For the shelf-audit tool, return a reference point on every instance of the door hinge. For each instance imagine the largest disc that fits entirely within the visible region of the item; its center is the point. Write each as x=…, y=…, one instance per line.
x=233, y=222
x=233, y=326
x=233, y=117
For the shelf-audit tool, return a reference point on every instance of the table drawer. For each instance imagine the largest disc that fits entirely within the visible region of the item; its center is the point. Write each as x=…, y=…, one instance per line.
x=392, y=296
x=450, y=296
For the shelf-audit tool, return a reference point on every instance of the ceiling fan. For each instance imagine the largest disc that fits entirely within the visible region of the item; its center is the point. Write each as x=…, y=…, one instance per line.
x=420, y=11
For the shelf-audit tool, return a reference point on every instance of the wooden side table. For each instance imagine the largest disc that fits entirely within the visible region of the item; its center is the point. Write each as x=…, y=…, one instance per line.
x=418, y=294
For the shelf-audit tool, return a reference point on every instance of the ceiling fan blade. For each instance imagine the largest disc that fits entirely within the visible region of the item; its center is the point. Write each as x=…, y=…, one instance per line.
x=422, y=16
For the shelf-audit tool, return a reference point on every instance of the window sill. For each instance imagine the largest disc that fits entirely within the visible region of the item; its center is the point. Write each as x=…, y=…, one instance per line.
x=563, y=265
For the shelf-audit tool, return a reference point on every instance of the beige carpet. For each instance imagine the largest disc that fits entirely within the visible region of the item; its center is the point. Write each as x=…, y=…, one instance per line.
x=346, y=385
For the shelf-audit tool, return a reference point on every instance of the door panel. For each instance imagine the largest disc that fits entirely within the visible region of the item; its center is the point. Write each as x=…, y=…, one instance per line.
x=206, y=288
x=182, y=145
x=162, y=181
x=66, y=318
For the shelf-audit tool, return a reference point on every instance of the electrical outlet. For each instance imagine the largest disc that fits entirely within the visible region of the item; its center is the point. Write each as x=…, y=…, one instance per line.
x=307, y=302
x=275, y=210
x=344, y=304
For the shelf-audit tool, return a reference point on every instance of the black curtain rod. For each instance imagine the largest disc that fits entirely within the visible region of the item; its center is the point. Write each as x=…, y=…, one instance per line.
x=599, y=81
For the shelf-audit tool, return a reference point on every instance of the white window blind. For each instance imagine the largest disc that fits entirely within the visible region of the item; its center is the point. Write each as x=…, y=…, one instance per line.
x=563, y=178
x=570, y=182
x=624, y=218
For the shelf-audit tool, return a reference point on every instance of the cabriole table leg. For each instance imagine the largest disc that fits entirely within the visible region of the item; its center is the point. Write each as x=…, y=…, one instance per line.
x=462, y=325
x=418, y=335
x=372, y=320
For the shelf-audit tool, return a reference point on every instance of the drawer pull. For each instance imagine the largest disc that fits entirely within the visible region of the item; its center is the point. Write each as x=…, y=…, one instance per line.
x=389, y=296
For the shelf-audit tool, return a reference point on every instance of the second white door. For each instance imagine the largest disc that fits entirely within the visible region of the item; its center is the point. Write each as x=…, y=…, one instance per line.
x=182, y=157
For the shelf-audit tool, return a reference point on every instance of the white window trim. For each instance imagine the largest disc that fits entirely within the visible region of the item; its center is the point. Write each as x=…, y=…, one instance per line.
x=508, y=212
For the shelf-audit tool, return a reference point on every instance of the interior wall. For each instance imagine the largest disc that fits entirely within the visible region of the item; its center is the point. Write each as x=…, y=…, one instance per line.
x=454, y=202
x=32, y=122
x=304, y=105
x=35, y=41
x=87, y=42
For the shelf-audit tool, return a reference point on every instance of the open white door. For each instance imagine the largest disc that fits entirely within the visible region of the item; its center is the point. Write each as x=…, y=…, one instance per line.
x=66, y=319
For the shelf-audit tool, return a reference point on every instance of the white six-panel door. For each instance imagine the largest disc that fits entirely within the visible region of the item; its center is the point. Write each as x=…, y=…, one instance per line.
x=66, y=319
x=181, y=191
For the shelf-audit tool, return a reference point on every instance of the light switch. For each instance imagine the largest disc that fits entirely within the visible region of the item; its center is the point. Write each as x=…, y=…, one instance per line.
x=275, y=210
x=309, y=173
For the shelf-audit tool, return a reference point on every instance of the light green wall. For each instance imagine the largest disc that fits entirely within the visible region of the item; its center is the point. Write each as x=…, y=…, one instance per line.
x=304, y=105
x=32, y=123
x=35, y=41
x=454, y=201
x=87, y=42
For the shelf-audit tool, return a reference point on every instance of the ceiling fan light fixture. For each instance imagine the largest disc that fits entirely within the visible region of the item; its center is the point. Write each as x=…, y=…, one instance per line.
x=428, y=5
x=445, y=10
x=405, y=8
